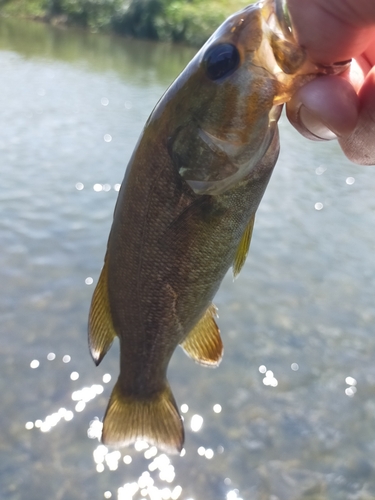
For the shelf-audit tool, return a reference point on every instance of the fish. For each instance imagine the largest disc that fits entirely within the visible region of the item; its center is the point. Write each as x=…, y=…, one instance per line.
x=185, y=215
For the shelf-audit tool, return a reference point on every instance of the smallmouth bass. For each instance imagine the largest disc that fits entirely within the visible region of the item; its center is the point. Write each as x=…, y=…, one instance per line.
x=185, y=214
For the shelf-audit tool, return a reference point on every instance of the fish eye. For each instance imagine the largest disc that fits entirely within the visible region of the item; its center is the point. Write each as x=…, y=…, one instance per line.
x=221, y=60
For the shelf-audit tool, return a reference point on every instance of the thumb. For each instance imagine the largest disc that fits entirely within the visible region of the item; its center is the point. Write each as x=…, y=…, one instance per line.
x=324, y=108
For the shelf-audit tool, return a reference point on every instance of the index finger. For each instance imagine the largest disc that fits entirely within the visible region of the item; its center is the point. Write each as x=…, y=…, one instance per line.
x=333, y=30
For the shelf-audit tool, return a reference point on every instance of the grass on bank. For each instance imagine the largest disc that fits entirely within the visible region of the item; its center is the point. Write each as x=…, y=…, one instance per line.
x=189, y=21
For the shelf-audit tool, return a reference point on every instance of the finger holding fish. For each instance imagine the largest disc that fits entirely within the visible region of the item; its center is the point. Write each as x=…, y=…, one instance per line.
x=341, y=108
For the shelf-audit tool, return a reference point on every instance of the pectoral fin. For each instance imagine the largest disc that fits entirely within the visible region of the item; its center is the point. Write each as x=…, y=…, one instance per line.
x=243, y=248
x=203, y=344
x=101, y=330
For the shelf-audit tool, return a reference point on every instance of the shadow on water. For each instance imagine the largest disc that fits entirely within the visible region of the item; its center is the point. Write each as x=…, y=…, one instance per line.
x=289, y=414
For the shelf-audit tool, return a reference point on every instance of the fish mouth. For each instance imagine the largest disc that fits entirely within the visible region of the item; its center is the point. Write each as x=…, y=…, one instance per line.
x=276, y=16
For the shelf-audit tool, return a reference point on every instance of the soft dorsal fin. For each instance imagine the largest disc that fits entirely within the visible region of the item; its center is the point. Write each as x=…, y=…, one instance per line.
x=203, y=344
x=243, y=248
x=101, y=330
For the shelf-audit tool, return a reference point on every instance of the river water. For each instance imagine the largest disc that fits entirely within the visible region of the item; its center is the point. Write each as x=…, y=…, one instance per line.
x=290, y=412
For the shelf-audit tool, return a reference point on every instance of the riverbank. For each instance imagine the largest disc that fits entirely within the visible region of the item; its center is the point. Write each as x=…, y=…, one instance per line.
x=190, y=22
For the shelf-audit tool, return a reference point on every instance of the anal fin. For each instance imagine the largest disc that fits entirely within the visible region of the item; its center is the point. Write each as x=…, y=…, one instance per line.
x=100, y=329
x=243, y=248
x=153, y=419
x=203, y=344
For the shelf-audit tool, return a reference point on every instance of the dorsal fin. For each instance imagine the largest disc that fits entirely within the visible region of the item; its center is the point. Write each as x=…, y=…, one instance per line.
x=101, y=330
x=203, y=344
x=243, y=248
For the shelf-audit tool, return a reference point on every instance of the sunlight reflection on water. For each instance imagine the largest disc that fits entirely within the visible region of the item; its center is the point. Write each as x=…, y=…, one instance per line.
x=159, y=470
x=290, y=411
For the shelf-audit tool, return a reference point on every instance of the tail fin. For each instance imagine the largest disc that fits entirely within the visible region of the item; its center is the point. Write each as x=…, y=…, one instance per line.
x=156, y=420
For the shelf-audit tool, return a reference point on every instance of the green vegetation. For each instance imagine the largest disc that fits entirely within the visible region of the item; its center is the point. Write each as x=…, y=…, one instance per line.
x=24, y=8
x=190, y=21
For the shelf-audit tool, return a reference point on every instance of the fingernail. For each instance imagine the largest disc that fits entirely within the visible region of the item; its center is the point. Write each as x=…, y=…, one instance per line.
x=318, y=130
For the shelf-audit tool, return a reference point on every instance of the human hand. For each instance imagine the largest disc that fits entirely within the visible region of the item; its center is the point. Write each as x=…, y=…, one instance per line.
x=337, y=106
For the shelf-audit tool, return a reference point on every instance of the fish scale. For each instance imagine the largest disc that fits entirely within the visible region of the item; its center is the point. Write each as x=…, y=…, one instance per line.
x=185, y=214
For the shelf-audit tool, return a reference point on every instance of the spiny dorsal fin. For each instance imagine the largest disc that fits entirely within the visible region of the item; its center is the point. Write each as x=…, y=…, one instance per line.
x=203, y=344
x=101, y=331
x=155, y=420
x=243, y=248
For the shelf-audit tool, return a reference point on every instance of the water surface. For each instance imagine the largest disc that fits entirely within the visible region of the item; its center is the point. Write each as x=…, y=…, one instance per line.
x=290, y=412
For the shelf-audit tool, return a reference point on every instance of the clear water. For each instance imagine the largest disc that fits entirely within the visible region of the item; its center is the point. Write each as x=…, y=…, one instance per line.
x=290, y=413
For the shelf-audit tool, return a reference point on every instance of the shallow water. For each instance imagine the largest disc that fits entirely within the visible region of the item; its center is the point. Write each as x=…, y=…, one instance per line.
x=290, y=412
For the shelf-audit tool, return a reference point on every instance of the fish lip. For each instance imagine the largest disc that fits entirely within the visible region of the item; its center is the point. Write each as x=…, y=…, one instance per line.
x=279, y=10
x=335, y=68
